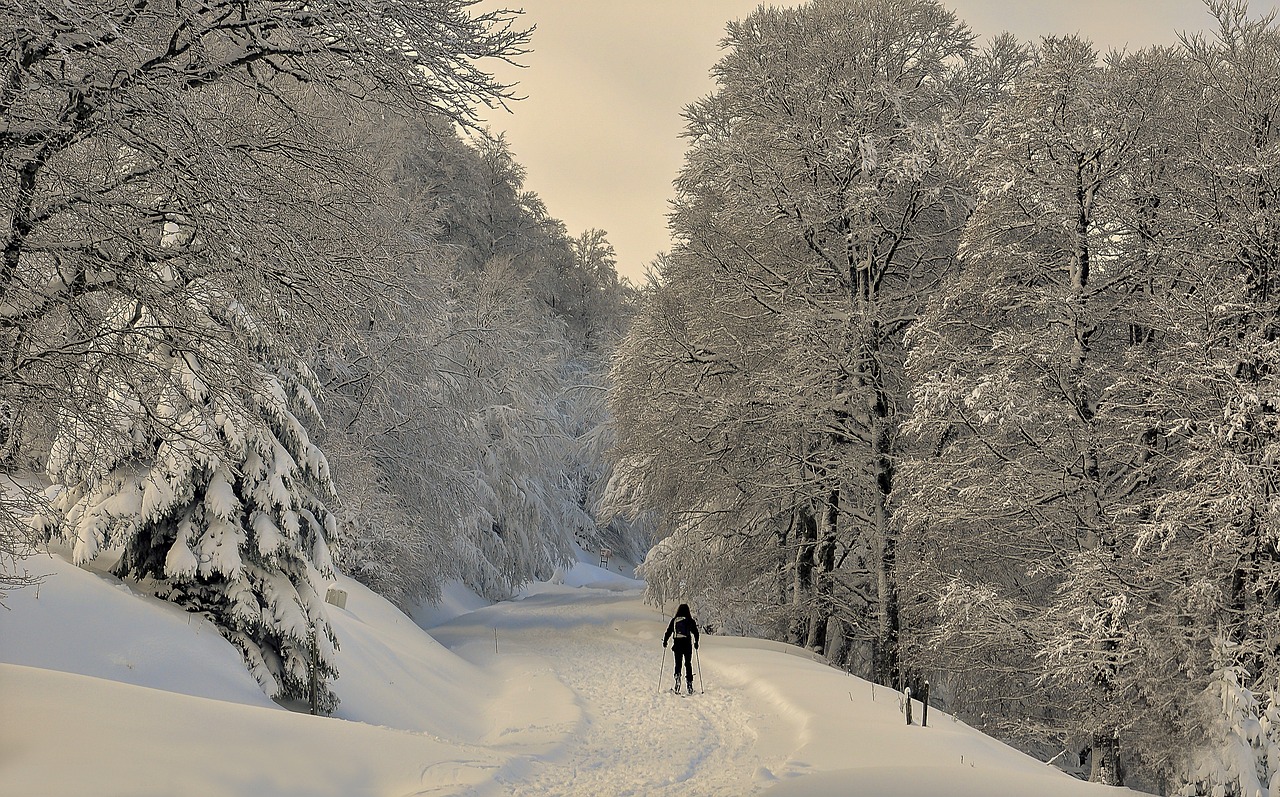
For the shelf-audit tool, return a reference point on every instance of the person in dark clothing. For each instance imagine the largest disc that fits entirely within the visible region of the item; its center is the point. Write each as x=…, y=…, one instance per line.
x=683, y=633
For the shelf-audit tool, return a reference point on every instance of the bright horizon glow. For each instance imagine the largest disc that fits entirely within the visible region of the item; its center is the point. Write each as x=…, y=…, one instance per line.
x=605, y=85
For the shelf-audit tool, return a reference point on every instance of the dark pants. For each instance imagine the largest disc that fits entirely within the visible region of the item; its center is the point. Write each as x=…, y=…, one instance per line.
x=683, y=651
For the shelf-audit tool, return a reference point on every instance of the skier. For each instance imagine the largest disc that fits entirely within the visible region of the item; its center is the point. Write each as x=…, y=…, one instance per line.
x=684, y=630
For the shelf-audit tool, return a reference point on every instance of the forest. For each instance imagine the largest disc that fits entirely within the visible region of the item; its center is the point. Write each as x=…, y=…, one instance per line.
x=272, y=304
x=963, y=367
x=987, y=392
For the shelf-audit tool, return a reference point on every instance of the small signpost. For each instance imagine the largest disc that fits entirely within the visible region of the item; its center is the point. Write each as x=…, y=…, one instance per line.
x=605, y=553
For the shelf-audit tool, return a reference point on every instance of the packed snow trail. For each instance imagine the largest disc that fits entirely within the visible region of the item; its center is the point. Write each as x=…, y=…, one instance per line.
x=612, y=727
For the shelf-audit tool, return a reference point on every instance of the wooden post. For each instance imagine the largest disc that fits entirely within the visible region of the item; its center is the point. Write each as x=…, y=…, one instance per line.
x=924, y=710
x=907, y=692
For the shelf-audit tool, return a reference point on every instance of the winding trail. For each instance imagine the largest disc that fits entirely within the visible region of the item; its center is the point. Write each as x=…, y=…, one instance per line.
x=582, y=711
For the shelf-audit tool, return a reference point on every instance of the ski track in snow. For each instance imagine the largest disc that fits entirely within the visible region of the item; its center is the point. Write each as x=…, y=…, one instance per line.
x=631, y=735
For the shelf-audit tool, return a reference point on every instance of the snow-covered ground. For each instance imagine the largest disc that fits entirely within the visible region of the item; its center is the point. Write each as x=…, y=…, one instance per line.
x=562, y=692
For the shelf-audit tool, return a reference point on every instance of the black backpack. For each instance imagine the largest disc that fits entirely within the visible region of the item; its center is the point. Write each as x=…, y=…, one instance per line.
x=682, y=627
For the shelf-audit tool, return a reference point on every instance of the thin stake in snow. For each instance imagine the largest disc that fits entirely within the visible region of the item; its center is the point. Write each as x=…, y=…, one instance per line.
x=907, y=695
x=924, y=706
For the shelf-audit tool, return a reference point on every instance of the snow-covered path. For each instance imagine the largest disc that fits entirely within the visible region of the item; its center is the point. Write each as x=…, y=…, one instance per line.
x=559, y=694
x=608, y=726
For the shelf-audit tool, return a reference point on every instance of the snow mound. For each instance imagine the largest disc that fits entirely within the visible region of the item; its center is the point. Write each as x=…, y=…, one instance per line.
x=81, y=735
x=94, y=624
x=584, y=575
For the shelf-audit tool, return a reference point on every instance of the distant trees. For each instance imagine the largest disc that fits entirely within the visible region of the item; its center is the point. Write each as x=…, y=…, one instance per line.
x=964, y=367
x=463, y=400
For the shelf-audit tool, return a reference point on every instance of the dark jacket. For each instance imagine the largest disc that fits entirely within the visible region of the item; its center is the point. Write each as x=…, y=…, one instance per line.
x=686, y=630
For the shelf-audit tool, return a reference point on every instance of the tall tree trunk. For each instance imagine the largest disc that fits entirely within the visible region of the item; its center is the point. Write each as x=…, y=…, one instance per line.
x=806, y=538
x=785, y=569
x=887, y=657
x=824, y=605
x=1106, y=767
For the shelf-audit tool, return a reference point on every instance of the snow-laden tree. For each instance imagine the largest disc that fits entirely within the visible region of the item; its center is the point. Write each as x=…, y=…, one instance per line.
x=1231, y=355
x=118, y=120
x=1096, y=387
x=590, y=297
x=219, y=500
x=699, y=411
x=818, y=206
x=395, y=441
x=1023, y=368
x=1212, y=534
x=508, y=353
x=475, y=188
x=537, y=430
x=584, y=407
x=465, y=420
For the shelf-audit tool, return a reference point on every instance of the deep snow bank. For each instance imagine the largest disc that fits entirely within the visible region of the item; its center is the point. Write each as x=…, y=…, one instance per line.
x=68, y=734
x=107, y=691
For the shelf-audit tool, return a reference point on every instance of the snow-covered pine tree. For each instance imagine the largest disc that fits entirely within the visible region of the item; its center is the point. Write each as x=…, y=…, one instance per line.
x=219, y=500
x=1244, y=759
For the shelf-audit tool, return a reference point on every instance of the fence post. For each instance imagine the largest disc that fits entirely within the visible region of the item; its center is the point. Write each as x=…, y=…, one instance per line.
x=907, y=692
x=924, y=711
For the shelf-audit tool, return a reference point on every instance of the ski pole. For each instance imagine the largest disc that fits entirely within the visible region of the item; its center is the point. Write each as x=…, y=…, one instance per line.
x=663, y=669
x=701, y=688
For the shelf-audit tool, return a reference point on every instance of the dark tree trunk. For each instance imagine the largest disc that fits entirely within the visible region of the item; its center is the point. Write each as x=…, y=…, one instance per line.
x=887, y=658
x=1106, y=767
x=806, y=539
x=824, y=604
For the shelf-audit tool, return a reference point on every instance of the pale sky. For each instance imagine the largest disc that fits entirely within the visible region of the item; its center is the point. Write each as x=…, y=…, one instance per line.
x=605, y=84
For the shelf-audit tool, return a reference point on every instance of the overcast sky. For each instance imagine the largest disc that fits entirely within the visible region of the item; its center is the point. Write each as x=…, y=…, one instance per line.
x=605, y=84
